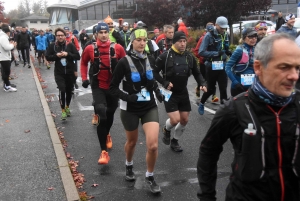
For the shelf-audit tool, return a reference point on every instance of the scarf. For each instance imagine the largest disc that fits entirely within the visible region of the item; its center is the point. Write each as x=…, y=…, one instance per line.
x=139, y=55
x=267, y=96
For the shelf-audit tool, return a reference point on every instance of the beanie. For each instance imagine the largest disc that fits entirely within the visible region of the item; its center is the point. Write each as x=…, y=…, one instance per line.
x=178, y=35
x=289, y=16
x=136, y=33
x=102, y=26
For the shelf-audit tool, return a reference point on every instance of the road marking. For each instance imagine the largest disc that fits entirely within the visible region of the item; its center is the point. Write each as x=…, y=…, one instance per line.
x=83, y=108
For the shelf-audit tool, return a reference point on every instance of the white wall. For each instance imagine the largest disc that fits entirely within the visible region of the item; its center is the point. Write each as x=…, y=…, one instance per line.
x=37, y=25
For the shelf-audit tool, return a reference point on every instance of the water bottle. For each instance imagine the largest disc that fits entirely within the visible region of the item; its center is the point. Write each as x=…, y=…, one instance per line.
x=250, y=160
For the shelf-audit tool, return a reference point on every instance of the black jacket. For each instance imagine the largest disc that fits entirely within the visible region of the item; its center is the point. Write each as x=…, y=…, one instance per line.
x=23, y=40
x=123, y=70
x=280, y=21
x=73, y=55
x=278, y=145
x=179, y=82
x=82, y=40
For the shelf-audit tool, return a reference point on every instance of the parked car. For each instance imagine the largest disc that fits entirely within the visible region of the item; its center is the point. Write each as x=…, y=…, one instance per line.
x=251, y=23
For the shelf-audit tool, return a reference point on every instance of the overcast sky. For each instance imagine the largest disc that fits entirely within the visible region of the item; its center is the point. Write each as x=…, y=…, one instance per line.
x=10, y=5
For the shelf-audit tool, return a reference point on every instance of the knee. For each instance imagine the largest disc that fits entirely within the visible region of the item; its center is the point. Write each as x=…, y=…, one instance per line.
x=101, y=110
x=131, y=144
x=184, y=121
x=152, y=148
x=175, y=120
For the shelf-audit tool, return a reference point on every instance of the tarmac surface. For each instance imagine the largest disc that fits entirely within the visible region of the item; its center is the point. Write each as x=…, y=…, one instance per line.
x=31, y=168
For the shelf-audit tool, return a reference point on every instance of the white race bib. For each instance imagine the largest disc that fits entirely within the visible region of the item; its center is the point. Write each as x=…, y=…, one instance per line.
x=217, y=65
x=144, y=95
x=166, y=93
x=247, y=79
x=63, y=61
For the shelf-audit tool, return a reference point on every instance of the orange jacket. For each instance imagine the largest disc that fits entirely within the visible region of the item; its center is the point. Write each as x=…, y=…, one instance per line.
x=183, y=28
x=69, y=40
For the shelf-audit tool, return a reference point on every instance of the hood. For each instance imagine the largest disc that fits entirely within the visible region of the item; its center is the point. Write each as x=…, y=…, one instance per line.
x=181, y=24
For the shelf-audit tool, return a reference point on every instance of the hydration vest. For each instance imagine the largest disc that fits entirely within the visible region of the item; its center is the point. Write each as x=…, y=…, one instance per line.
x=243, y=64
x=97, y=65
x=172, y=68
x=136, y=77
x=251, y=163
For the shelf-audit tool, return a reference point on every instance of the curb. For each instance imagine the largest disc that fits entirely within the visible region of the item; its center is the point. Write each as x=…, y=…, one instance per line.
x=65, y=172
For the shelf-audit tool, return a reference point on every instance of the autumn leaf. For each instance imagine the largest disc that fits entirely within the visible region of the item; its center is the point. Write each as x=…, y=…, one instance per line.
x=50, y=188
x=26, y=131
x=53, y=115
x=68, y=155
x=7, y=121
x=95, y=185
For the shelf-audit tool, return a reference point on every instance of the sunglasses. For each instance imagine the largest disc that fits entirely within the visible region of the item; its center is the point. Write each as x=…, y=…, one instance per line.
x=252, y=36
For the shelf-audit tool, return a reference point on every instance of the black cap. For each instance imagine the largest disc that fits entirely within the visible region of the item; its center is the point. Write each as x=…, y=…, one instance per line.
x=178, y=35
x=249, y=32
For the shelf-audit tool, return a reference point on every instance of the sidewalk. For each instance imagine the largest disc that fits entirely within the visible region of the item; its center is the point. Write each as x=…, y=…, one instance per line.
x=33, y=165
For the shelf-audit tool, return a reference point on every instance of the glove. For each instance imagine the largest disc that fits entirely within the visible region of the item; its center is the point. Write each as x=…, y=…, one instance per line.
x=166, y=84
x=229, y=53
x=239, y=87
x=85, y=83
x=132, y=98
x=221, y=52
x=160, y=97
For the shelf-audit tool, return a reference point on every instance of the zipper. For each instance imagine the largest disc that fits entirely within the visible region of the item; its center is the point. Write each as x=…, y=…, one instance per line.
x=248, y=108
x=278, y=122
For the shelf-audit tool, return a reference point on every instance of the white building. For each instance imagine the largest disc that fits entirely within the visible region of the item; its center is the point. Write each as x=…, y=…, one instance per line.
x=35, y=21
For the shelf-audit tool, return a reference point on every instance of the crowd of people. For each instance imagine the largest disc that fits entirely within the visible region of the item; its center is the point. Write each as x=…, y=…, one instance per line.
x=261, y=117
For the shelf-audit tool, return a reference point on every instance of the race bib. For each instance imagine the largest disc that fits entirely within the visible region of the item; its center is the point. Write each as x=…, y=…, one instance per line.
x=217, y=65
x=63, y=61
x=144, y=95
x=166, y=93
x=247, y=79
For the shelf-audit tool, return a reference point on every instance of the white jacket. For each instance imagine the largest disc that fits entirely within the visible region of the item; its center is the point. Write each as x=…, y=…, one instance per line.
x=5, y=47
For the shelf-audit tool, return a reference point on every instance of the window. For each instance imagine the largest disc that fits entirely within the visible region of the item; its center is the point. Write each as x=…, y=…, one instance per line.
x=32, y=21
x=44, y=22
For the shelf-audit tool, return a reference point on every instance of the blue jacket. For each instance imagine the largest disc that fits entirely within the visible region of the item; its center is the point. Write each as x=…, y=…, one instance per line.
x=235, y=59
x=50, y=38
x=285, y=29
x=212, y=43
x=41, y=42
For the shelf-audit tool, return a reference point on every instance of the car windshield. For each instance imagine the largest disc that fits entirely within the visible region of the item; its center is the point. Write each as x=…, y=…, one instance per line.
x=297, y=24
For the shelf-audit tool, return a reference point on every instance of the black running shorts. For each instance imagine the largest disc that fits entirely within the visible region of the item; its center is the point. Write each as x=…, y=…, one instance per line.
x=178, y=102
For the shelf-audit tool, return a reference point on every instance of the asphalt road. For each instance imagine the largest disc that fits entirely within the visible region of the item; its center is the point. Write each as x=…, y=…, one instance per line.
x=174, y=172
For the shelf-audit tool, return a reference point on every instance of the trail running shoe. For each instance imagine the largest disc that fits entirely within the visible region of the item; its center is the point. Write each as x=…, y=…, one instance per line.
x=175, y=146
x=214, y=99
x=63, y=116
x=201, y=109
x=104, y=158
x=108, y=141
x=166, y=136
x=129, y=173
x=95, y=120
x=68, y=111
x=9, y=89
x=153, y=186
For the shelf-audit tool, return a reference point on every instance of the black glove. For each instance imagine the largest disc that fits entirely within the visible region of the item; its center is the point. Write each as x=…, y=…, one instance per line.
x=85, y=83
x=239, y=87
x=229, y=53
x=132, y=98
x=166, y=84
x=160, y=97
x=221, y=52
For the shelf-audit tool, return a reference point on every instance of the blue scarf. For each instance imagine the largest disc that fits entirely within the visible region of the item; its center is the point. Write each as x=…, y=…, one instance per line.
x=268, y=97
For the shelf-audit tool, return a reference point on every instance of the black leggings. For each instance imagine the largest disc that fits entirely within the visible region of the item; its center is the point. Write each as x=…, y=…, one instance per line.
x=203, y=72
x=108, y=103
x=65, y=98
x=214, y=76
x=5, y=71
x=25, y=58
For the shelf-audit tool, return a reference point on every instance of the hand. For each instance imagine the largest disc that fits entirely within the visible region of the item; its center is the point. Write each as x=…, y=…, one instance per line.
x=221, y=52
x=84, y=38
x=59, y=55
x=160, y=97
x=132, y=98
x=85, y=83
x=64, y=54
x=203, y=88
x=239, y=87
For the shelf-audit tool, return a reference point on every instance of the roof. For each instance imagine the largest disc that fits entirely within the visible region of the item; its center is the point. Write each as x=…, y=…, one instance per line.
x=35, y=17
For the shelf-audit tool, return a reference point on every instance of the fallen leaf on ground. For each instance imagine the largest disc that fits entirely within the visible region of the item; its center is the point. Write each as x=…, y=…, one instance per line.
x=50, y=189
x=53, y=115
x=7, y=120
x=68, y=155
x=26, y=131
x=95, y=185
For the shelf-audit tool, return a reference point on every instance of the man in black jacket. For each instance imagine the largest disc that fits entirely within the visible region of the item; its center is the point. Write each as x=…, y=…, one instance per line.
x=177, y=64
x=23, y=44
x=263, y=127
x=83, y=37
x=63, y=54
x=280, y=21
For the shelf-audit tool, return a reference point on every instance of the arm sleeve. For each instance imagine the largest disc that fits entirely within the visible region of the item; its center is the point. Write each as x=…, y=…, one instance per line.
x=197, y=74
x=234, y=59
x=210, y=150
x=51, y=54
x=73, y=53
x=120, y=52
x=117, y=77
x=6, y=45
x=76, y=44
x=157, y=68
x=203, y=48
x=85, y=59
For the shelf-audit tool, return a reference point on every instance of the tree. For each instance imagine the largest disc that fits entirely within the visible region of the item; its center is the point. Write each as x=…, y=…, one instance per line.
x=37, y=7
x=157, y=12
x=21, y=11
x=1, y=7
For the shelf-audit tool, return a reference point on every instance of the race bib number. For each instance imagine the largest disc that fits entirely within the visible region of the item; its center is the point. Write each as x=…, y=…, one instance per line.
x=144, y=95
x=247, y=79
x=217, y=65
x=63, y=61
x=166, y=93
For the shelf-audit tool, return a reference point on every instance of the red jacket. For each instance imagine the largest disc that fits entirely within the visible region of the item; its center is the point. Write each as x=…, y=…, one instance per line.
x=183, y=28
x=104, y=76
x=69, y=40
x=161, y=36
x=196, y=49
